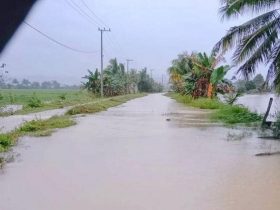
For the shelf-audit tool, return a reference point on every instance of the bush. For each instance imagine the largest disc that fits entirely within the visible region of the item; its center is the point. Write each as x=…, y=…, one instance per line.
x=49, y=124
x=35, y=102
x=206, y=103
x=1, y=97
x=62, y=96
x=235, y=114
x=12, y=98
x=5, y=141
x=276, y=127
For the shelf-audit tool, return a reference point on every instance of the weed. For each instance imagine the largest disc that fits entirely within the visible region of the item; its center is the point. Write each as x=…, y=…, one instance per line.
x=34, y=102
x=235, y=114
x=1, y=97
x=43, y=127
x=12, y=99
x=62, y=96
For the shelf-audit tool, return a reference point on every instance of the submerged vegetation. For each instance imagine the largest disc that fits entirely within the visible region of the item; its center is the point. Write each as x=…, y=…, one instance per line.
x=229, y=114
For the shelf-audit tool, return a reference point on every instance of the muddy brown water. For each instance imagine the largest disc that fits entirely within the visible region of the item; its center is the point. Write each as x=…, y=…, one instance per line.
x=132, y=158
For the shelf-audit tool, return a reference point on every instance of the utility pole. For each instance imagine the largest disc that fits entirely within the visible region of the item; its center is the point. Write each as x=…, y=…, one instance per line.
x=127, y=64
x=102, y=56
x=127, y=70
x=151, y=71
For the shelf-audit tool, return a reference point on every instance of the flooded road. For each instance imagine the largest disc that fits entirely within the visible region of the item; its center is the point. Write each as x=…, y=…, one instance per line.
x=148, y=154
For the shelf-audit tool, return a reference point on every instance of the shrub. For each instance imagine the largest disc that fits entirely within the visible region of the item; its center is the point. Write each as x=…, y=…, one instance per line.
x=5, y=141
x=276, y=127
x=34, y=102
x=12, y=99
x=235, y=114
x=1, y=97
x=62, y=96
x=206, y=103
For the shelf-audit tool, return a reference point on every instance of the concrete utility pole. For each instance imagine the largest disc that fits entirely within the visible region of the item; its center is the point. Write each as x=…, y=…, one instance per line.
x=127, y=64
x=151, y=71
x=102, y=56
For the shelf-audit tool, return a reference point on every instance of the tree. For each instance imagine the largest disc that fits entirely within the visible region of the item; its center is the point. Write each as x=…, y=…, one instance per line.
x=46, y=85
x=35, y=85
x=259, y=81
x=257, y=40
x=197, y=74
x=117, y=82
x=93, y=82
x=25, y=83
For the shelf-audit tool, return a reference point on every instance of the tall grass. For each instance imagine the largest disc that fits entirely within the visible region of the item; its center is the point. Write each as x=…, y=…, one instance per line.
x=230, y=114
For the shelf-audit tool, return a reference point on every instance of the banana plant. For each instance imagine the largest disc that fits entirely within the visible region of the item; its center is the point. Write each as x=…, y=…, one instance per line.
x=217, y=76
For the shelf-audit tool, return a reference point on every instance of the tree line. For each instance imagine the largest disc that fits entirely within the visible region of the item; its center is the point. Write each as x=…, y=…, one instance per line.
x=26, y=84
x=118, y=81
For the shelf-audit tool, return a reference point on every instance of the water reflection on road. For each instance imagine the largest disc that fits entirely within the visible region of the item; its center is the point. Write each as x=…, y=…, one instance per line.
x=148, y=154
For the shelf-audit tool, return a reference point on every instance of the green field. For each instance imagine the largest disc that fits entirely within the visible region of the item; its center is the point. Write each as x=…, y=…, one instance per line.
x=49, y=99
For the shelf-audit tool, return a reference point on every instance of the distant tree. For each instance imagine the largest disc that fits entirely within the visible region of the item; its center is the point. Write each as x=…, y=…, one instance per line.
x=25, y=83
x=46, y=85
x=250, y=85
x=55, y=84
x=15, y=82
x=35, y=85
x=259, y=81
x=144, y=84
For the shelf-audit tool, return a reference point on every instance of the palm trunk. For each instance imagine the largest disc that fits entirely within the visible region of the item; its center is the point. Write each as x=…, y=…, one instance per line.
x=210, y=90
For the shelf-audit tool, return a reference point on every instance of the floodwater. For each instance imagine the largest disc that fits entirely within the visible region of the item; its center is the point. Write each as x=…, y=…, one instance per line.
x=148, y=154
x=259, y=103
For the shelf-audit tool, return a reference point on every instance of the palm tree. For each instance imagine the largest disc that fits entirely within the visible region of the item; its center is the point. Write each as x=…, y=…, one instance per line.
x=209, y=75
x=181, y=67
x=256, y=41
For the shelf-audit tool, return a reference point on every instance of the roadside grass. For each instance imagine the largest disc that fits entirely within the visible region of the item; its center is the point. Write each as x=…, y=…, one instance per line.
x=46, y=127
x=34, y=128
x=102, y=105
x=229, y=114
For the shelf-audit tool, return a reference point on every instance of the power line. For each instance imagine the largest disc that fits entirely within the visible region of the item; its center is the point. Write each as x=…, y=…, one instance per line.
x=93, y=13
x=58, y=42
x=116, y=43
x=78, y=9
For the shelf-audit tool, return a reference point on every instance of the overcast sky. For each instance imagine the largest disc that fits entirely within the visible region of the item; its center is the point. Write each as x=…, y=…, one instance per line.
x=151, y=32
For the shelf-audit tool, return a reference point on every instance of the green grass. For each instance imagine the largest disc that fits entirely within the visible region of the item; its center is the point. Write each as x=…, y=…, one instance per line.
x=102, y=105
x=46, y=99
x=34, y=128
x=235, y=114
x=229, y=114
x=46, y=127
